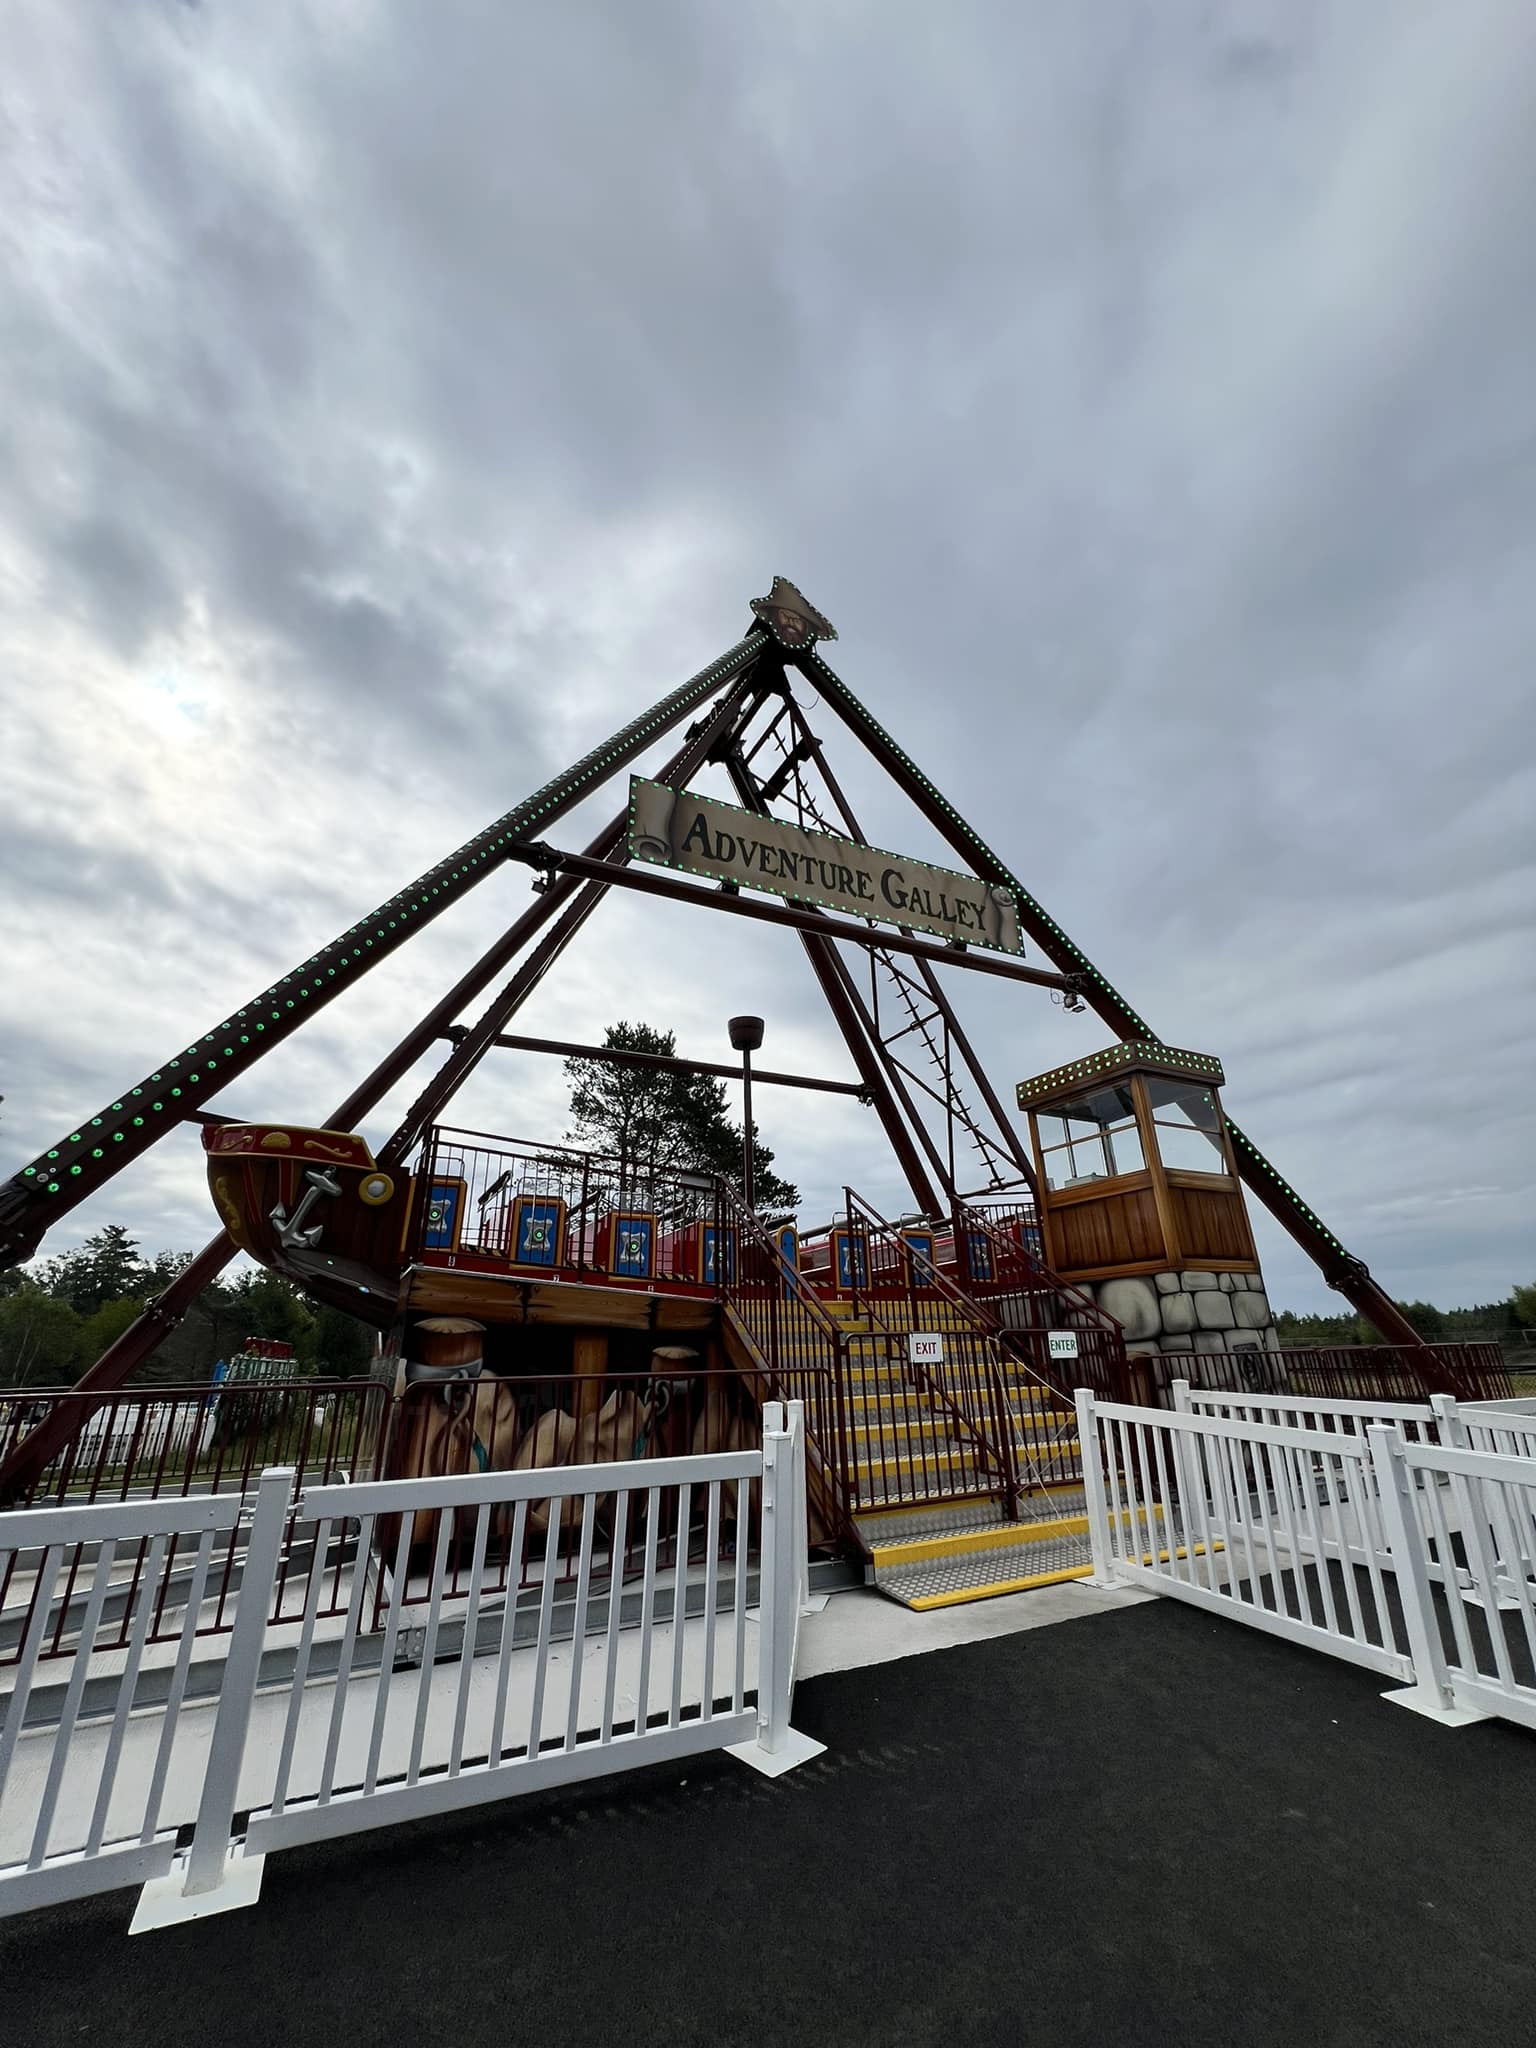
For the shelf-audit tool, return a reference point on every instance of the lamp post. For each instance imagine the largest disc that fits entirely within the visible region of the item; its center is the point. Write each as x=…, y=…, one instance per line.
x=746, y=1037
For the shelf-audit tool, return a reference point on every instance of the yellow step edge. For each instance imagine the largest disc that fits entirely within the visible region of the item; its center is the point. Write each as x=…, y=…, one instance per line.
x=966, y=1594
x=949, y=1452
x=911, y=1464
x=876, y=1431
x=966, y=1542
x=884, y=1434
x=916, y=1467
x=903, y=1510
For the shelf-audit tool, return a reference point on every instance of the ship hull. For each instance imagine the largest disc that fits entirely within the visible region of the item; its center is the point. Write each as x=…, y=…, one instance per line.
x=314, y=1206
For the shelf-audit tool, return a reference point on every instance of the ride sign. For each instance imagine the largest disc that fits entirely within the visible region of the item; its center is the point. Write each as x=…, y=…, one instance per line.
x=677, y=829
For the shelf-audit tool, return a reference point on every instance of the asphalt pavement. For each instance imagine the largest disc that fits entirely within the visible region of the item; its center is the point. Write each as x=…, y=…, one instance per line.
x=1147, y=1826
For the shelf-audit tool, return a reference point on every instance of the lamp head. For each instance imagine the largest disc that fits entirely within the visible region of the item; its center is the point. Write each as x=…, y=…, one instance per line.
x=746, y=1033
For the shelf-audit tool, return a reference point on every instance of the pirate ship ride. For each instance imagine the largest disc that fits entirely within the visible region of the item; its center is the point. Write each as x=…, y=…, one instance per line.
x=935, y=1350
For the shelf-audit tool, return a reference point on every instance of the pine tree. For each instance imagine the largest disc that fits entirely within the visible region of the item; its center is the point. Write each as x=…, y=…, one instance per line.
x=654, y=1120
x=105, y=1268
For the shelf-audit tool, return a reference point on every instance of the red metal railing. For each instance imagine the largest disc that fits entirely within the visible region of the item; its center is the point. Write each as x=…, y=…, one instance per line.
x=1376, y=1372
x=148, y=1442
x=1017, y=1219
x=496, y=1201
x=1024, y=1303
x=1007, y=1409
x=932, y=1430
x=802, y=1348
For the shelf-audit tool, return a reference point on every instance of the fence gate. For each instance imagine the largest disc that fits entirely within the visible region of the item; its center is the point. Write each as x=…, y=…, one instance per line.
x=130, y=1579
x=1463, y=1526
x=1275, y=1526
x=1399, y=1537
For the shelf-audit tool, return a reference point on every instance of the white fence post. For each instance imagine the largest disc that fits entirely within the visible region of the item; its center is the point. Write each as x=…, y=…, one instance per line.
x=779, y=1586
x=778, y=1747
x=1181, y=1401
x=810, y=1603
x=1430, y=1694
x=1453, y=1430
x=1095, y=1505
x=212, y=1878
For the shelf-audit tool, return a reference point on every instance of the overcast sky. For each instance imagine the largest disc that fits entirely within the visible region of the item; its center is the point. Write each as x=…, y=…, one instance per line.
x=395, y=398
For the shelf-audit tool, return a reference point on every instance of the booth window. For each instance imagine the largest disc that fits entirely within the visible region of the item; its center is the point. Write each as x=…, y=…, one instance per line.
x=1188, y=1126
x=1092, y=1138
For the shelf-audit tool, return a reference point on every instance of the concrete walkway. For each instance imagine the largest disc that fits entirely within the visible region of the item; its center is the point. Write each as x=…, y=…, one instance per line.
x=863, y=1628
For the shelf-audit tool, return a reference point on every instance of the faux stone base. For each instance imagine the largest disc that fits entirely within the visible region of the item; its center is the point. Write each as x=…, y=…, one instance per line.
x=1193, y=1310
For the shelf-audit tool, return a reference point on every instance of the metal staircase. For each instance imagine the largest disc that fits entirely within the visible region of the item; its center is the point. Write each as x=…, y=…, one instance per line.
x=958, y=1475
x=947, y=1518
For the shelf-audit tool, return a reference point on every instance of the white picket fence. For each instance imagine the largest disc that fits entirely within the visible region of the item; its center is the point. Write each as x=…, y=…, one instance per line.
x=1418, y=1422
x=1245, y=1518
x=1507, y=1428
x=1465, y=1520
x=96, y=1792
x=1395, y=1536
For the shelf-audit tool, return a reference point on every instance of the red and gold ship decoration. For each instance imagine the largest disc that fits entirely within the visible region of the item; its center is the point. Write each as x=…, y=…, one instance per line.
x=314, y=1205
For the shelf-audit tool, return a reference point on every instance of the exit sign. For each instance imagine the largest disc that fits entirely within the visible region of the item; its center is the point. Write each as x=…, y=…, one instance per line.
x=925, y=1347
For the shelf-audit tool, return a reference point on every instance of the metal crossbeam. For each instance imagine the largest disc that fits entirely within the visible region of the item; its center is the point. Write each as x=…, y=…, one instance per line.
x=661, y=1063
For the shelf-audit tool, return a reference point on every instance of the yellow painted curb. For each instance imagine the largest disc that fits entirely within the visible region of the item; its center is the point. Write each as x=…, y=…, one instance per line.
x=969, y=1593
x=922, y=1549
x=966, y=1542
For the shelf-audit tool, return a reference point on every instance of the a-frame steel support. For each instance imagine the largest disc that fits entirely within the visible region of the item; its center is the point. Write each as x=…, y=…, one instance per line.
x=31, y=1455
x=63, y=1176
x=892, y=1105
x=1347, y=1274
x=81, y=1163
x=662, y=1063
x=1000, y=1142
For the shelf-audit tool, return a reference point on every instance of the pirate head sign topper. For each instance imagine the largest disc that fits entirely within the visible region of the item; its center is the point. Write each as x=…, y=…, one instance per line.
x=791, y=618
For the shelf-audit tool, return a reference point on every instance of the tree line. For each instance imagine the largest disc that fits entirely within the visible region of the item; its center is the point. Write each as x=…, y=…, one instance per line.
x=58, y=1316
x=1505, y=1321
x=652, y=1119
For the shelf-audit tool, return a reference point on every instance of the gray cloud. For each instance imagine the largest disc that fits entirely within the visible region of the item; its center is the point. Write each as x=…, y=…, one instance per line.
x=396, y=398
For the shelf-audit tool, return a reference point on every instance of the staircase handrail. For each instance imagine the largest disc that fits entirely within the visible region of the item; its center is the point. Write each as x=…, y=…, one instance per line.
x=1007, y=1350
x=786, y=1278
x=1012, y=1250
x=970, y=1304
x=996, y=1444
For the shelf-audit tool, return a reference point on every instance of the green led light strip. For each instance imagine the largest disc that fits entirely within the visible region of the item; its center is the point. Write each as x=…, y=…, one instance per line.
x=1256, y=1158
x=992, y=869
x=982, y=855
x=86, y=1157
